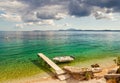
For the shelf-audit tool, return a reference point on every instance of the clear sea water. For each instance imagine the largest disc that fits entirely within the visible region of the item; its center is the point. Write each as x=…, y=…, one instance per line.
x=18, y=50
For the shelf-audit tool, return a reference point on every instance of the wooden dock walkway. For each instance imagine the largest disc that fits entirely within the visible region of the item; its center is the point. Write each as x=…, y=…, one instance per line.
x=61, y=74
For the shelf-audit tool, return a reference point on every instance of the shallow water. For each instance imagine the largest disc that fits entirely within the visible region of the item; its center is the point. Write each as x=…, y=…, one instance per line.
x=18, y=50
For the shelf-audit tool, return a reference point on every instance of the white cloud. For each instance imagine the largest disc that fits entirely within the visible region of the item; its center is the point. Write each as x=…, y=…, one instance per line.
x=47, y=22
x=40, y=23
x=67, y=25
x=60, y=16
x=103, y=13
x=12, y=6
x=11, y=17
x=19, y=26
x=28, y=24
x=10, y=3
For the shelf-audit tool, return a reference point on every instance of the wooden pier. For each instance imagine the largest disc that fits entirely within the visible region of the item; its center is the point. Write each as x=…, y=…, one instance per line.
x=61, y=74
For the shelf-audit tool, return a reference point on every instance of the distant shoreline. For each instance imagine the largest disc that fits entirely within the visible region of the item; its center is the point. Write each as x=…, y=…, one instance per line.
x=93, y=30
x=66, y=30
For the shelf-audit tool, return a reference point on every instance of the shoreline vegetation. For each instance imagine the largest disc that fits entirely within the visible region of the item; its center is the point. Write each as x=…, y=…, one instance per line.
x=45, y=77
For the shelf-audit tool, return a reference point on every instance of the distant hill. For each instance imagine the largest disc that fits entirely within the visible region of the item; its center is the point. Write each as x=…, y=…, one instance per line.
x=72, y=29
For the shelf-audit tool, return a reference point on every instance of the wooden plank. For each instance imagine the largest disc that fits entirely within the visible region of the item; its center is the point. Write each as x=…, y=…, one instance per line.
x=63, y=77
x=57, y=69
x=51, y=63
x=109, y=76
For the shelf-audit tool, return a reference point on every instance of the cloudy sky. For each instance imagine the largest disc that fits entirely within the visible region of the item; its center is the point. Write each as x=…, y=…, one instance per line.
x=59, y=14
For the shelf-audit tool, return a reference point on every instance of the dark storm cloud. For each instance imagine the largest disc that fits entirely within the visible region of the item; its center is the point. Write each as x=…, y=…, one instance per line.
x=115, y=4
x=37, y=10
x=85, y=7
x=79, y=9
x=73, y=7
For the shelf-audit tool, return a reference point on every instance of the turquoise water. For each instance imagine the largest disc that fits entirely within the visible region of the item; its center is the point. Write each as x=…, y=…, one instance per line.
x=18, y=50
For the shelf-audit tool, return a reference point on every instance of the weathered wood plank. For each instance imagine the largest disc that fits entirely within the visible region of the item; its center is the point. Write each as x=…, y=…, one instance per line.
x=61, y=74
x=109, y=76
